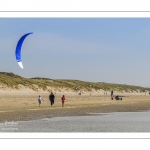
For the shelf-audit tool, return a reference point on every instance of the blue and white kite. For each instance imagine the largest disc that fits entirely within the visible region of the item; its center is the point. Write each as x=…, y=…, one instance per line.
x=18, y=49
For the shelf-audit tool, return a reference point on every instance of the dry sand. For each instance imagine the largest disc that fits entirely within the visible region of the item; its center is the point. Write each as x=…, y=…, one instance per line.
x=22, y=106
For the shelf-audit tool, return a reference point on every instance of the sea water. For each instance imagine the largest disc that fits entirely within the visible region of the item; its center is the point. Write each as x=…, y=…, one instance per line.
x=95, y=122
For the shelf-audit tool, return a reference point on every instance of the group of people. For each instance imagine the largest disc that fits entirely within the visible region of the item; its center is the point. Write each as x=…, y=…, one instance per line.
x=51, y=98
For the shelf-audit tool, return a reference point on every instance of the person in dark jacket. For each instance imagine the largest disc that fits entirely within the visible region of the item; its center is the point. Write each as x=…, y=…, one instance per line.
x=112, y=94
x=51, y=98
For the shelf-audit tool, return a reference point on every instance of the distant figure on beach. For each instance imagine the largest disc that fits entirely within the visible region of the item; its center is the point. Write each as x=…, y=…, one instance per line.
x=63, y=100
x=118, y=97
x=51, y=98
x=112, y=94
x=40, y=100
x=149, y=93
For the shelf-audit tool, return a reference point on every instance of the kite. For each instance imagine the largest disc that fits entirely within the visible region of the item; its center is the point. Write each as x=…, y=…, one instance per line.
x=18, y=49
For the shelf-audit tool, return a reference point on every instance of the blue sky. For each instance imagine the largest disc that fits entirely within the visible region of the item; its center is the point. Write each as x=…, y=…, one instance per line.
x=113, y=50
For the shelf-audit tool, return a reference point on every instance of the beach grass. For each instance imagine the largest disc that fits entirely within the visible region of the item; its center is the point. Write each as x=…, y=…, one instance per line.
x=13, y=81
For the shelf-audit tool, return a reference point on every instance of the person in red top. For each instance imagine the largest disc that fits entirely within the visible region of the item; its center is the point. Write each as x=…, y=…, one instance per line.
x=63, y=100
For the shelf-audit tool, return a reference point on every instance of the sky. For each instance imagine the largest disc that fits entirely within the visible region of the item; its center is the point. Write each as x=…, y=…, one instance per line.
x=111, y=50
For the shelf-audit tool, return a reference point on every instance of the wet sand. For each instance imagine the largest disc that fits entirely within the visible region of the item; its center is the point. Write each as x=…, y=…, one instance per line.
x=97, y=122
x=24, y=106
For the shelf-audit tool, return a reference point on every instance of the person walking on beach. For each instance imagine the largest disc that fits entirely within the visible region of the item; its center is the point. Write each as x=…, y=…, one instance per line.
x=112, y=94
x=51, y=98
x=40, y=99
x=63, y=100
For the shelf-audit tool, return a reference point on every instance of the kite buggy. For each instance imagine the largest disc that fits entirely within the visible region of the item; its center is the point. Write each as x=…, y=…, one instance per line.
x=117, y=97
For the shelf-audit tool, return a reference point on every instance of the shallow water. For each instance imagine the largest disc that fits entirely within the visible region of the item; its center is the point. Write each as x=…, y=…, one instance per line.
x=95, y=122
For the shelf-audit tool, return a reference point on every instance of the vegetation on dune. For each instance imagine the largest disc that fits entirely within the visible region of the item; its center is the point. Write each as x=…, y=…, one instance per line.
x=12, y=80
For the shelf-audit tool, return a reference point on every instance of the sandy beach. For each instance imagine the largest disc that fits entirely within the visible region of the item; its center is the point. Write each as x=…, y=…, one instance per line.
x=23, y=106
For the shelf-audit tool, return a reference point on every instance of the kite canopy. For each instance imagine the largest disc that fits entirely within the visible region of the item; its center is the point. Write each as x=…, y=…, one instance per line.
x=18, y=49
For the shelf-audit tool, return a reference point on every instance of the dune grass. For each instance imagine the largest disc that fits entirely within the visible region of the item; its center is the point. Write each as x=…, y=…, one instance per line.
x=13, y=81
